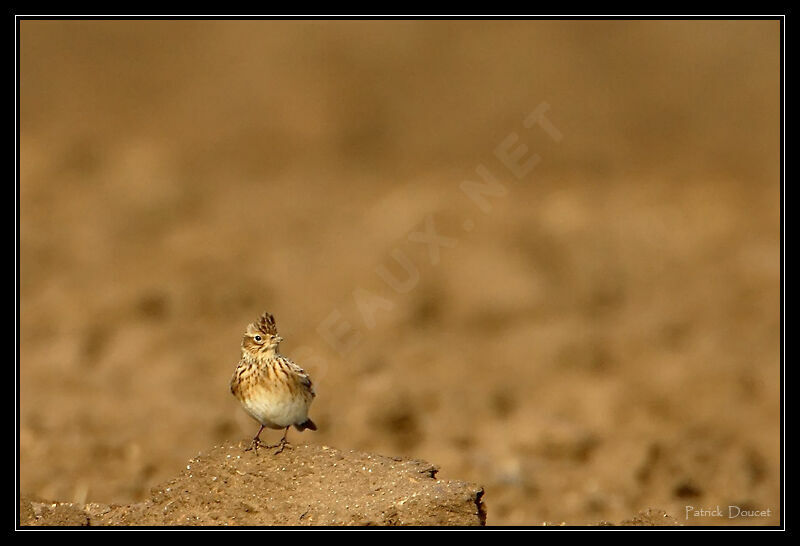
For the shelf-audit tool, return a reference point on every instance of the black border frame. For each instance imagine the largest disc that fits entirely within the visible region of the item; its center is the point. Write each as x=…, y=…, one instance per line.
x=782, y=38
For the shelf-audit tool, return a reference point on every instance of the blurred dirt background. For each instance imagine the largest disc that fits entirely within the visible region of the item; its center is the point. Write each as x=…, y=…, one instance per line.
x=604, y=340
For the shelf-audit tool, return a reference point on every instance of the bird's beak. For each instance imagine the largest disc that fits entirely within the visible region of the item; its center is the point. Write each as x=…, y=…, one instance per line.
x=278, y=339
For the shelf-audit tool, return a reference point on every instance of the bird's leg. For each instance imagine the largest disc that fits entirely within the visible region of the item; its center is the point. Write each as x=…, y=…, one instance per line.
x=256, y=440
x=280, y=445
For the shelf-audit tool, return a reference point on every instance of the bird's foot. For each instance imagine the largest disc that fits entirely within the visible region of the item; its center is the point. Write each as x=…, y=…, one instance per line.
x=280, y=445
x=255, y=444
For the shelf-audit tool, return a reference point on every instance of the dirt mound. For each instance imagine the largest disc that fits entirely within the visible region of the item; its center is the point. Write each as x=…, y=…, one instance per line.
x=303, y=485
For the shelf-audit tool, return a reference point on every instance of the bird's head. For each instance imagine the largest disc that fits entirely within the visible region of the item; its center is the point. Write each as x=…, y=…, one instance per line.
x=261, y=337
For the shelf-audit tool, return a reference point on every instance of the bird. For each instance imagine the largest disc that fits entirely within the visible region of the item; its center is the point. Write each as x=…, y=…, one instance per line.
x=272, y=389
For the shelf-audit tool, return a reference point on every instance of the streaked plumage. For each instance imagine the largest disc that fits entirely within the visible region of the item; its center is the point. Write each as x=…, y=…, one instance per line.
x=273, y=390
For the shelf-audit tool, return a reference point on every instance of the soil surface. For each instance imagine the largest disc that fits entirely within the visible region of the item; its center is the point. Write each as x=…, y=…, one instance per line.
x=587, y=333
x=233, y=485
x=302, y=485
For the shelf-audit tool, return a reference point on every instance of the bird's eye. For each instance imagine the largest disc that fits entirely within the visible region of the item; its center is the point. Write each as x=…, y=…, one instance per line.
x=257, y=338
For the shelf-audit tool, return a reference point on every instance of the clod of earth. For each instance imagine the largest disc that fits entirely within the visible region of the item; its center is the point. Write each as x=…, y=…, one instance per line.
x=303, y=485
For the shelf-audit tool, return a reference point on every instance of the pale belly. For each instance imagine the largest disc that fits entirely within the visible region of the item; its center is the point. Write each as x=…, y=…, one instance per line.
x=274, y=410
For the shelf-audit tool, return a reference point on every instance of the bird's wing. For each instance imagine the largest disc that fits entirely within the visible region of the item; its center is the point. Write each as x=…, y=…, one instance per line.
x=305, y=380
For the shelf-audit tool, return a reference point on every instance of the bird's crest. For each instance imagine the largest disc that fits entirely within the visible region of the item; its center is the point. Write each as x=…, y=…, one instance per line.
x=266, y=324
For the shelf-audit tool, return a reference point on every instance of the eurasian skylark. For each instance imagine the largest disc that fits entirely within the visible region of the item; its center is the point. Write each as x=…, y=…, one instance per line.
x=275, y=391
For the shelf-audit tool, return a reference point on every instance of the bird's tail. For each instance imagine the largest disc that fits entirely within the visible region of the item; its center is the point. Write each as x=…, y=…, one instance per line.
x=307, y=424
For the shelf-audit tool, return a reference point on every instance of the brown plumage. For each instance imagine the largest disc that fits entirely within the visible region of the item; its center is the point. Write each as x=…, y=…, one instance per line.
x=275, y=391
